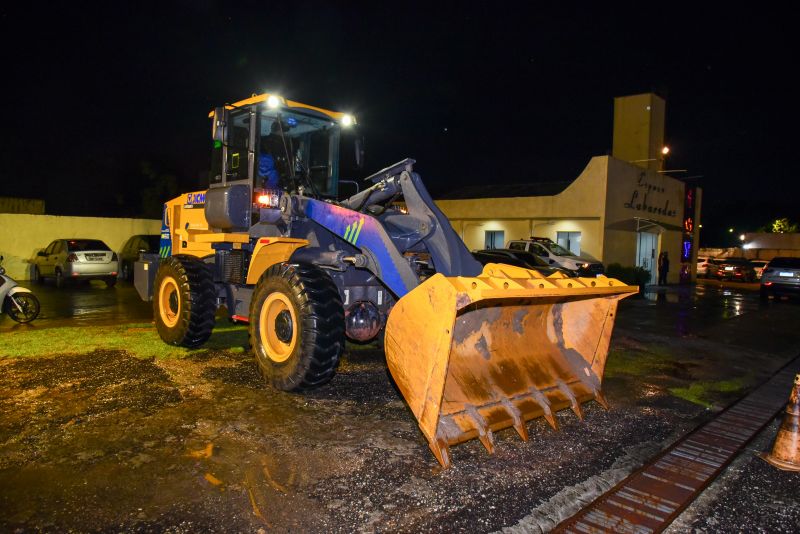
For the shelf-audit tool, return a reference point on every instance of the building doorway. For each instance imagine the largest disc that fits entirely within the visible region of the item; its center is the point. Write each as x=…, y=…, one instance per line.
x=646, y=247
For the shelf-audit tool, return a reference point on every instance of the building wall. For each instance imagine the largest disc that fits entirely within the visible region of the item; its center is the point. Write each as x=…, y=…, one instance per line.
x=22, y=235
x=580, y=207
x=639, y=130
x=764, y=240
x=603, y=203
x=656, y=200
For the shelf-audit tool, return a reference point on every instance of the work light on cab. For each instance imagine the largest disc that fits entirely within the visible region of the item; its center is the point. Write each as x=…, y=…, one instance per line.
x=273, y=101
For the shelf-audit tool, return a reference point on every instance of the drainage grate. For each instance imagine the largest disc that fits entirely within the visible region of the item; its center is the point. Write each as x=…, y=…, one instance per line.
x=652, y=497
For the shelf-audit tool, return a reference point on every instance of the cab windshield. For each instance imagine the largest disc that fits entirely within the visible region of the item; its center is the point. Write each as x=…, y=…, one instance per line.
x=296, y=149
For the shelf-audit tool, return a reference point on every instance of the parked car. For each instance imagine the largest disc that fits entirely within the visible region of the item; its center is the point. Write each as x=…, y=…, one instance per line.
x=781, y=277
x=557, y=256
x=76, y=259
x=739, y=269
x=518, y=258
x=134, y=246
x=758, y=267
x=713, y=266
x=702, y=265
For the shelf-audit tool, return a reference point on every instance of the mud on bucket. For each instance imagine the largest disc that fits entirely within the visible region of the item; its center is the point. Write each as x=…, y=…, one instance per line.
x=475, y=355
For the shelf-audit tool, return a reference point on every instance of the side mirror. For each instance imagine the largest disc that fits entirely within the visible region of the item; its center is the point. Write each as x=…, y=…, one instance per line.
x=219, y=128
x=359, y=144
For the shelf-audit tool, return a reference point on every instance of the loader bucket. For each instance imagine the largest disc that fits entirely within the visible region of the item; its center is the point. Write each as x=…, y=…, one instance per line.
x=474, y=355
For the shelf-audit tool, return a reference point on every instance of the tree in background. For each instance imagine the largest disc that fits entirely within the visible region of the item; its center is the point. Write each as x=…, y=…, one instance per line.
x=783, y=226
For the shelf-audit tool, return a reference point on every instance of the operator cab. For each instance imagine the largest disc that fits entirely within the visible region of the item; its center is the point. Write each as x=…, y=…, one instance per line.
x=267, y=145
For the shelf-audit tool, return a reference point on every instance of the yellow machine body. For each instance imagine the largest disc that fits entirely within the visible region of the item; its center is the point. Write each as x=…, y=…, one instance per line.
x=473, y=355
x=191, y=236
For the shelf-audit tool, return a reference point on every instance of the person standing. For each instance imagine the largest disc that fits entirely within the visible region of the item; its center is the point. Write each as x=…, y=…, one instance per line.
x=663, y=268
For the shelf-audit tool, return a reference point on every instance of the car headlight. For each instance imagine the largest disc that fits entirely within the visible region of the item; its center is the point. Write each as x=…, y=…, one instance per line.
x=584, y=265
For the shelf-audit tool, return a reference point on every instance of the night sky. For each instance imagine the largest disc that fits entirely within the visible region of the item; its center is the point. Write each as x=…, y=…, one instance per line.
x=105, y=106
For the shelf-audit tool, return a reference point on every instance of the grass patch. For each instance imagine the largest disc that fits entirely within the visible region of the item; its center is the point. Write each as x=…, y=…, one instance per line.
x=139, y=339
x=637, y=362
x=703, y=393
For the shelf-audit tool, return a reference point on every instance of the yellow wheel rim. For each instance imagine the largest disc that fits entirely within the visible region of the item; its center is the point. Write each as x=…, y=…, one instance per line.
x=277, y=324
x=168, y=302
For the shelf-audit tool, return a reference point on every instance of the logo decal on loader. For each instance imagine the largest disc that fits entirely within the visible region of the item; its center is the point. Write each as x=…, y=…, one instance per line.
x=353, y=230
x=165, y=243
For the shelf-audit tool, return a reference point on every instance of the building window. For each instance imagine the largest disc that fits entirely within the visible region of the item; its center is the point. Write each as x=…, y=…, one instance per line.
x=494, y=239
x=570, y=241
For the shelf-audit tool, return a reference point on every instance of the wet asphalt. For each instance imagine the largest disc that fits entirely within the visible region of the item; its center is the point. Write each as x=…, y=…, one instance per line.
x=108, y=442
x=87, y=303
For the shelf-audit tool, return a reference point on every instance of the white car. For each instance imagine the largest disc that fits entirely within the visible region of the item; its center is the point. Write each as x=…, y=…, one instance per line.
x=556, y=255
x=702, y=265
x=76, y=259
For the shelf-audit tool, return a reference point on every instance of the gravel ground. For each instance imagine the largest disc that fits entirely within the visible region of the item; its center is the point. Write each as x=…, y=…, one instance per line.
x=108, y=442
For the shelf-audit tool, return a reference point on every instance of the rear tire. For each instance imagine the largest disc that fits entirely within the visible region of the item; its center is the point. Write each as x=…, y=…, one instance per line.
x=111, y=281
x=59, y=278
x=29, y=304
x=763, y=294
x=184, y=301
x=296, y=326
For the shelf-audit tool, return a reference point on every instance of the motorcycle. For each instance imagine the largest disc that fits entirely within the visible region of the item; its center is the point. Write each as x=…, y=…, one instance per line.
x=18, y=302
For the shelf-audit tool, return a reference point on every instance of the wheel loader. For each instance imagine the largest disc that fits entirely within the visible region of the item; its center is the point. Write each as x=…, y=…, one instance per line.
x=473, y=349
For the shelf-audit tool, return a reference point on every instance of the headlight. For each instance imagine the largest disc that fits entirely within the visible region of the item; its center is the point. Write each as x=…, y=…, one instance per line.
x=348, y=120
x=585, y=266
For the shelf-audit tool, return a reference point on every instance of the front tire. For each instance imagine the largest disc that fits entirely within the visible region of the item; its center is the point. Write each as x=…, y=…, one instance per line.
x=22, y=307
x=296, y=326
x=184, y=301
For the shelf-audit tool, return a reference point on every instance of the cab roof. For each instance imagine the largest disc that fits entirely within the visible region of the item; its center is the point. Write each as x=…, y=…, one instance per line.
x=257, y=99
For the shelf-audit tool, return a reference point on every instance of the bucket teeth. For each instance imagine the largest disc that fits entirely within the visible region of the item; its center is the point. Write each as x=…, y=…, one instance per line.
x=601, y=399
x=575, y=405
x=544, y=404
x=485, y=433
x=441, y=451
x=516, y=416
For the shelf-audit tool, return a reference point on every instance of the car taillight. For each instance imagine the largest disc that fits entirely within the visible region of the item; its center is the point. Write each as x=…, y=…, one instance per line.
x=114, y=257
x=72, y=257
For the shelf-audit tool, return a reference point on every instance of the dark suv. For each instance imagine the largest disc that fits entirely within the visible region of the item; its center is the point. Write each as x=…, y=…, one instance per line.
x=131, y=250
x=781, y=276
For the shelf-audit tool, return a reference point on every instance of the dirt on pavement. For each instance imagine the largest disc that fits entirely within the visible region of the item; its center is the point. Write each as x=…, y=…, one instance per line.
x=106, y=441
